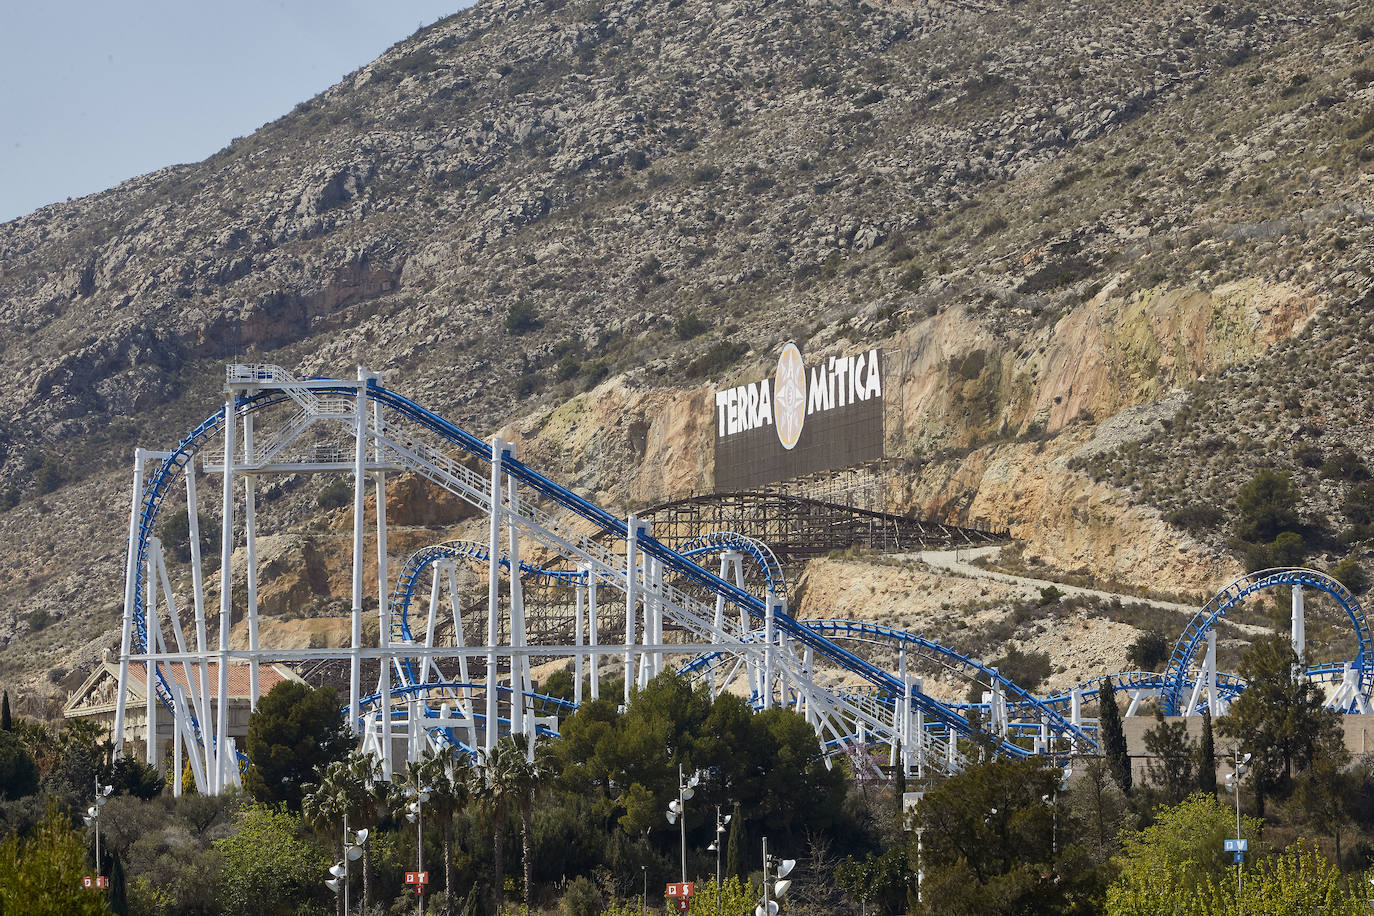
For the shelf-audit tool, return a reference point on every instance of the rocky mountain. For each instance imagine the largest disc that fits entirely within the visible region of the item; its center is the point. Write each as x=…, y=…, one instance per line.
x=1101, y=241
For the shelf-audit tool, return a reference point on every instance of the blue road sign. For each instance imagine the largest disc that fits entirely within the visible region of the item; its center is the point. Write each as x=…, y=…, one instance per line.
x=1238, y=857
x=1236, y=845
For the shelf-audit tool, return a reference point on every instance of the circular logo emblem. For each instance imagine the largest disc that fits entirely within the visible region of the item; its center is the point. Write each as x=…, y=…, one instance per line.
x=789, y=396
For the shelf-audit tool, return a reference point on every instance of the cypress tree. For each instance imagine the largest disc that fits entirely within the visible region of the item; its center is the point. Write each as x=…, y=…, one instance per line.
x=6, y=722
x=1207, y=757
x=1111, y=737
x=734, y=847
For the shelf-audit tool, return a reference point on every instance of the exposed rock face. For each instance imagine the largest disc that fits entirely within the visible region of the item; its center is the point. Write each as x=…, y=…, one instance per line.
x=573, y=221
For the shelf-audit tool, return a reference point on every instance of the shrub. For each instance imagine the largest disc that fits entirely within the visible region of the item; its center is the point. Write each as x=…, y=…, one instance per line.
x=722, y=354
x=1288, y=549
x=337, y=493
x=689, y=326
x=1266, y=506
x=1149, y=651
x=1359, y=503
x=1349, y=573
x=1049, y=595
x=1344, y=464
x=1195, y=517
x=522, y=318
x=911, y=278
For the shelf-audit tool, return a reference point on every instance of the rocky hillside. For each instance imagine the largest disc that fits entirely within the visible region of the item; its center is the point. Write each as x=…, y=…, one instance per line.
x=1069, y=222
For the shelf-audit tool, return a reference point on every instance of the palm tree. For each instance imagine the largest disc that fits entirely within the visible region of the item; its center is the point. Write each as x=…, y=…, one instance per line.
x=328, y=803
x=449, y=777
x=352, y=789
x=512, y=778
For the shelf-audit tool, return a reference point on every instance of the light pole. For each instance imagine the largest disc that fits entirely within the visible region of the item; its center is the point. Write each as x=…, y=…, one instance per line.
x=102, y=794
x=677, y=810
x=772, y=890
x=644, y=897
x=1233, y=785
x=352, y=852
x=415, y=814
x=720, y=833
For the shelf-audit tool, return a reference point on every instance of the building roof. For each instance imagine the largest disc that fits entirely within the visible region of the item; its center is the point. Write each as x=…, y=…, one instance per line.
x=98, y=693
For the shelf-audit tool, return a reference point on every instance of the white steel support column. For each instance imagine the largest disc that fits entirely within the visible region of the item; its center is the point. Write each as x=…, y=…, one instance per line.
x=579, y=597
x=1075, y=714
x=130, y=580
x=250, y=538
x=1299, y=625
x=383, y=601
x=152, y=624
x=180, y=696
x=521, y=715
x=226, y=604
x=592, y=637
x=719, y=619
x=198, y=597
x=899, y=711
x=631, y=596
x=359, y=497
x=493, y=589
x=769, y=634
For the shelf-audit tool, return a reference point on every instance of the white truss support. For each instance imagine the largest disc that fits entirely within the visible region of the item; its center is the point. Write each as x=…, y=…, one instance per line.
x=633, y=528
x=250, y=537
x=461, y=643
x=430, y=667
x=359, y=506
x=579, y=601
x=521, y=687
x=494, y=591
x=592, y=636
x=808, y=670
x=198, y=598
x=188, y=740
x=951, y=750
x=654, y=594
x=226, y=582
x=157, y=565
x=1136, y=696
x=1206, y=684
x=1347, y=695
x=130, y=585
x=907, y=737
x=1299, y=626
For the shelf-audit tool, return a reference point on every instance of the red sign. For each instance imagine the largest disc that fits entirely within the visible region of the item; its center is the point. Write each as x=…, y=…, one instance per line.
x=417, y=877
x=684, y=904
x=685, y=889
x=99, y=881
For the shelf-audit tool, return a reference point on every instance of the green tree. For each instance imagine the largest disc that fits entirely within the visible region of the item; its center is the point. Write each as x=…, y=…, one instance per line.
x=6, y=720
x=1322, y=796
x=294, y=732
x=1279, y=719
x=880, y=880
x=1098, y=804
x=1351, y=574
x=350, y=789
x=449, y=777
x=270, y=866
x=1149, y=651
x=989, y=842
x=513, y=776
x=1266, y=506
x=734, y=846
x=1207, y=756
x=41, y=875
x=1110, y=735
x=1164, y=865
x=18, y=769
x=1173, y=759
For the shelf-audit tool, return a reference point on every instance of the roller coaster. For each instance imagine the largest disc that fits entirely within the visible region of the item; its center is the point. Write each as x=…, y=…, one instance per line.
x=641, y=605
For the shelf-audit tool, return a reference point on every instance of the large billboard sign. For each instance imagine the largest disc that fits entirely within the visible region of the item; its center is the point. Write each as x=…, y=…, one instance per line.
x=802, y=420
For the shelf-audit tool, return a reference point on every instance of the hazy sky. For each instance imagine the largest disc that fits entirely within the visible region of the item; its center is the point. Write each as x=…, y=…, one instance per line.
x=92, y=93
